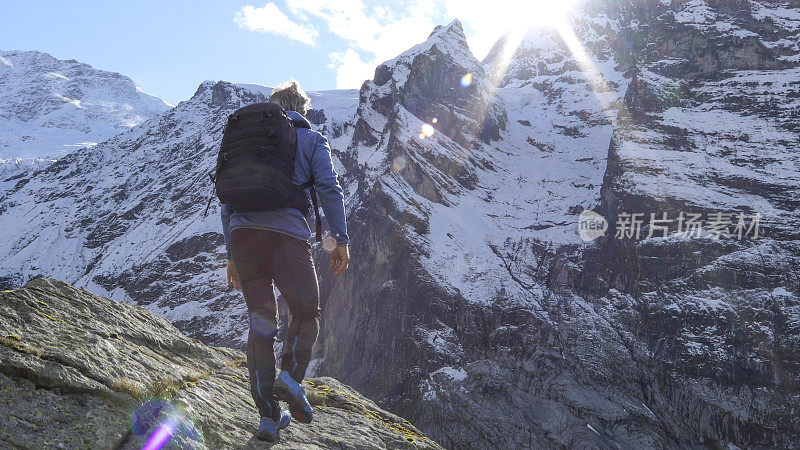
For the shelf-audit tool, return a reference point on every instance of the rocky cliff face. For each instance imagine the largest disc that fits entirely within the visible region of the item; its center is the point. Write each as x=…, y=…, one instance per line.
x=472, y=303
x=82, y=371
x=700, y=131
x=536, y=339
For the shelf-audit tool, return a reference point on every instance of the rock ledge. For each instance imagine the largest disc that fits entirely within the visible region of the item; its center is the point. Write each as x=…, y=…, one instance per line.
x=81, y=371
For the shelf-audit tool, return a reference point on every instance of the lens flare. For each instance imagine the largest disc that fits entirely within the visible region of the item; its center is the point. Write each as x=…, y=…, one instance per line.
x=422, y=135
x=399, y=163
x=466, y=80
x=149, y=415
x=434, y=120
x=427, y=130
x=157, y=422
x=328, y=243
x=263, y=324
x=159, y=437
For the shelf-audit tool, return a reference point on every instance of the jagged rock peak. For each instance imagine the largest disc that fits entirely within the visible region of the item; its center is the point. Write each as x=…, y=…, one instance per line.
x=453, y=30
x=75, y=74
x=694, y=39
x=82, y=371
x=447, y=39
x=426, y=80
x=20, y=59
x=224, y=94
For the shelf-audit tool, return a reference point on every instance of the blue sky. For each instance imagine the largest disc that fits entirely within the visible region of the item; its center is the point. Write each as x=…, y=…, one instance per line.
x=170, y=47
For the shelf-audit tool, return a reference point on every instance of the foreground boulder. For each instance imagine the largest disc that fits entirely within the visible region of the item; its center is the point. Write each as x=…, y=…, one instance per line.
x=81, y=371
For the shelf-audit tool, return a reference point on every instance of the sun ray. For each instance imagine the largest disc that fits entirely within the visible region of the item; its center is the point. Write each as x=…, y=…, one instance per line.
x=594, y=77
x=555, y=16
x=511, y=42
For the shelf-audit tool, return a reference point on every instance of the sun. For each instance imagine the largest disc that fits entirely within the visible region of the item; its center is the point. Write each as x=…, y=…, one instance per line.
x=528, y=15
x=533, y=13
x=515, y=19
x=538, y=14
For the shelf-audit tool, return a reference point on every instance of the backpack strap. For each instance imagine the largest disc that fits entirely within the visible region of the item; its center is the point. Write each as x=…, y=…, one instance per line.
x=315, y=203
x=213, y=176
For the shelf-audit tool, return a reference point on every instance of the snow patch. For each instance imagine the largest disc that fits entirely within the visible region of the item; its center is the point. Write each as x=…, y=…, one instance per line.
x=455, y=374
x=56, y=76
x=82, y=144
x=72, y=101
x=782, y=292
x=443, y=341
x=786, y=18
x=696, y=12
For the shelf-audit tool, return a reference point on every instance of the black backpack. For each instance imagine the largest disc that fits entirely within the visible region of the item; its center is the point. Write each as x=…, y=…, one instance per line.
x=255, y=164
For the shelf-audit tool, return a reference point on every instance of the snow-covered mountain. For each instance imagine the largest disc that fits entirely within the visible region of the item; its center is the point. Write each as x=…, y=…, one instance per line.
x=49, y=107
x=129, y=221
x=472, y=303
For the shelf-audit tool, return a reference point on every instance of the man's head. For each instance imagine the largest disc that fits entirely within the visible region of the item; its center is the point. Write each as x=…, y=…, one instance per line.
x=291, y=97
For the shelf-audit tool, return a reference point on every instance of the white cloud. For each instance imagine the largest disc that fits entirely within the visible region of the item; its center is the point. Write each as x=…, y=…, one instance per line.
x=373, y=34
x=270, y=19
x=376, y=33
x=350, y=69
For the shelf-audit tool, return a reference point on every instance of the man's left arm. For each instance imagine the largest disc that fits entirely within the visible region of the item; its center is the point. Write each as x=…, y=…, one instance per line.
x=331, y=197
x=328, y=189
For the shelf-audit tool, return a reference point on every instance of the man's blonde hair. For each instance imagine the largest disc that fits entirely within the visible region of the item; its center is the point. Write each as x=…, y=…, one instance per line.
x=291, y=97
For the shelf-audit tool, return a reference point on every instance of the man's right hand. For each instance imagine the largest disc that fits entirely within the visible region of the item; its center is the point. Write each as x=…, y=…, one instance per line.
x=233, y=277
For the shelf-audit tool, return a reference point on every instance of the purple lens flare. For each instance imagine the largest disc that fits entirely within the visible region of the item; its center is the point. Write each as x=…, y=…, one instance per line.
x=159, y=437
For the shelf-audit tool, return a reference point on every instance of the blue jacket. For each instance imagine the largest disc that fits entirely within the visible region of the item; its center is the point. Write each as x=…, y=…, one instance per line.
x=313, y=157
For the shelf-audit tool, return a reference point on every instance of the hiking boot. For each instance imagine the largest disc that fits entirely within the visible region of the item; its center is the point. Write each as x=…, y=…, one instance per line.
x=295, y=395
x=268, y=428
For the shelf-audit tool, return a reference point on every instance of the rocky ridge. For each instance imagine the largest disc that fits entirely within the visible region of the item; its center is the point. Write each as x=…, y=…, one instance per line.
x=82, y=371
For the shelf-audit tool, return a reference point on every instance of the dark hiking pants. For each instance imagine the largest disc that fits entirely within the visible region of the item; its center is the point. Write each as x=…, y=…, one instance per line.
x=261, y=258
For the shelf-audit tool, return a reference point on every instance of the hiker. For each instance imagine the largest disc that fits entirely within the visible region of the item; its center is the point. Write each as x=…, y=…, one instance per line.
x=267, y=245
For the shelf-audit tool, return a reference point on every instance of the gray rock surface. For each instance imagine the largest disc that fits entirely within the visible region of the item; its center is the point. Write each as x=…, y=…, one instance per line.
x=82, y=371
